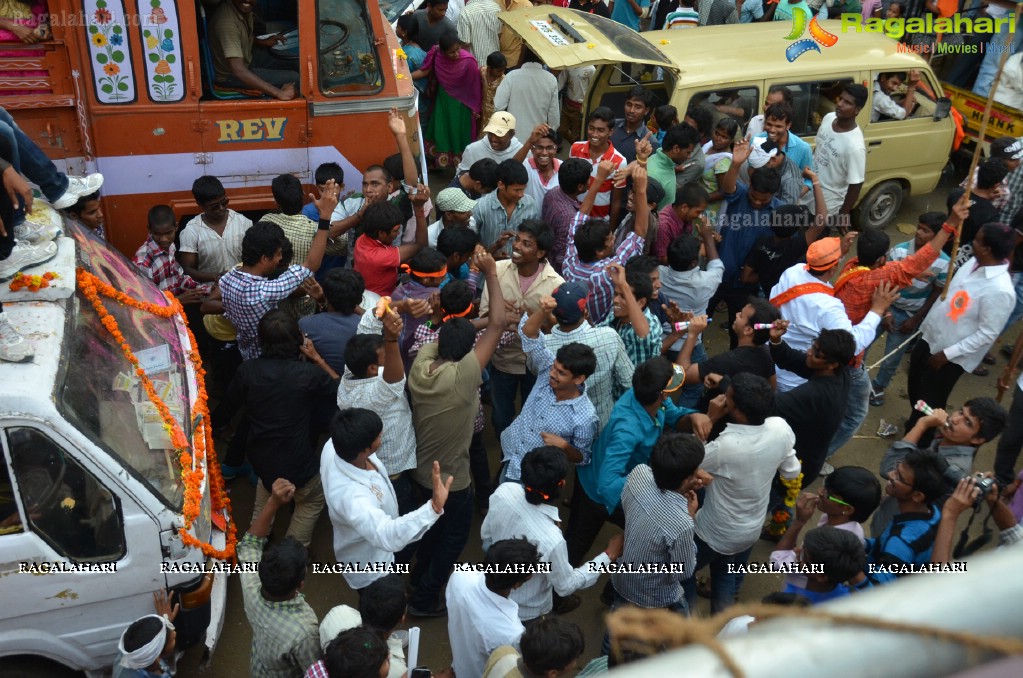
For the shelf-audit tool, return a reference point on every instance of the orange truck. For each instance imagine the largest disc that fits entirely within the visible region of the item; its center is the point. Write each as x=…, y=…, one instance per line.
x=125, y=88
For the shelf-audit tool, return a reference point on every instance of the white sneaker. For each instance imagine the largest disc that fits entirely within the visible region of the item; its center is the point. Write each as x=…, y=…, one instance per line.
x=78, y=187
x=25, y=255
x=35, y=234
x=14, y=348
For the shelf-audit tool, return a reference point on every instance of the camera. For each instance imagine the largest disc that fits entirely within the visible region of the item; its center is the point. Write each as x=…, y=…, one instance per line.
x=953, y=474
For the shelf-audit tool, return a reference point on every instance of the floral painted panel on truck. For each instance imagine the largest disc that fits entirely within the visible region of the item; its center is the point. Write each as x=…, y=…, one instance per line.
x=162, y=45
x=109, y=52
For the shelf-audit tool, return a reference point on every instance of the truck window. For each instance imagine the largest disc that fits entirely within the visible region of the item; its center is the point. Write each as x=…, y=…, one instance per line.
x=738, y=103
x=345, y=43
x=64, y=504
x=811, y=101
x=102, y=395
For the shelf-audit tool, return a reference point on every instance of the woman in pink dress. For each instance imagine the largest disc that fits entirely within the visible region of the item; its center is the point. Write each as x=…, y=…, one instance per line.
x=25, y=22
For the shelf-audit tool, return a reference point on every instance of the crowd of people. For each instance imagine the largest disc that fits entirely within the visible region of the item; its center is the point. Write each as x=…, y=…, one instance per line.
x=571, y=297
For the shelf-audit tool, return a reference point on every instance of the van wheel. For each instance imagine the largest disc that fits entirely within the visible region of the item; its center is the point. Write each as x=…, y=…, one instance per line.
x=881, y=206
x=35, y=667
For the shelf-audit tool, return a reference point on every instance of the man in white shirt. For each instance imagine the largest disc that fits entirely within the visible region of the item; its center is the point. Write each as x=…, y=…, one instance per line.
x=481, y=615
x=959, y=330
x=361, y=500
x=888, y=84
x=743, y=461
x=530, y=93
x=807, y=300
x=211, y=242
x=530, y=510
x=840, y=153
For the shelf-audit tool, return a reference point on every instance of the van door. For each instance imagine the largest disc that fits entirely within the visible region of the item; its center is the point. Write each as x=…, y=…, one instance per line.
x=248, y=139
x=57, y=511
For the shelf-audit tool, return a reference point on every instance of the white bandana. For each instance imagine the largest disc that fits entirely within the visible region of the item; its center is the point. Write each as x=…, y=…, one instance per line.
x=148, y=653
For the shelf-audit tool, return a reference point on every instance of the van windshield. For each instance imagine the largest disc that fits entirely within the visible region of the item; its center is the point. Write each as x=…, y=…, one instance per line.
x=101, y=394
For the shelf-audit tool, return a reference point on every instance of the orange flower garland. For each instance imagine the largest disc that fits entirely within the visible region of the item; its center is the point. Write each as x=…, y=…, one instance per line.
x=202, y=439
x=34, y=283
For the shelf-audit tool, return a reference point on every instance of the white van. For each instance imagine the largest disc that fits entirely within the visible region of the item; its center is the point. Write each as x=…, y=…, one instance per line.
x=91, y=489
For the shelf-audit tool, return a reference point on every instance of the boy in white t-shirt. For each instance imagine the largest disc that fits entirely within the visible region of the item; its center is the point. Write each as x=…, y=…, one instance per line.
x=840, y=153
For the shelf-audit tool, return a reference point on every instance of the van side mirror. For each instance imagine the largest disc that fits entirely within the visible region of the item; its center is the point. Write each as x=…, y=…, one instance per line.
x=942, y=108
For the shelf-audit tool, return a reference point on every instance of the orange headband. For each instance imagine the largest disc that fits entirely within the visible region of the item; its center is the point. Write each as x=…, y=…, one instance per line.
x=464, y=313
x=546, y=497
x=439, y=274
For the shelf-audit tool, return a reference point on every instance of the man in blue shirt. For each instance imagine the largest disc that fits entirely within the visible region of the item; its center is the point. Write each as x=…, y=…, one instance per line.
x=747, y=219
x=627, y=12
x=637, y=421
x=777, y=127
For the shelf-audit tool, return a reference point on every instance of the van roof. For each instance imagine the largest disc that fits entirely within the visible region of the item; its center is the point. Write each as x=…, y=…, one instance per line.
x=720, y=54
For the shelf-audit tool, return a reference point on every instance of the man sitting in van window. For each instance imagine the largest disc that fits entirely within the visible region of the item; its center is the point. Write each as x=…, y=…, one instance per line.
x=241, y=60
x=886, y=85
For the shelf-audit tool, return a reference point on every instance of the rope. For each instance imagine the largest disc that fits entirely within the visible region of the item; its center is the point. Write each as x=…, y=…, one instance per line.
x=895, y=350
x=650, y=632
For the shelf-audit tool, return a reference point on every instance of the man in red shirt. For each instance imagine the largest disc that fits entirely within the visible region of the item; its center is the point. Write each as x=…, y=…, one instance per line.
x=376, y=257
x=855, y=288
x=597, y=147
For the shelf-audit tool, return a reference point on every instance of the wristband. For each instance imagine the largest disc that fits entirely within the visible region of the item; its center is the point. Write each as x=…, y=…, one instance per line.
x=948, y=228
x=641, y=163
x=323, y=225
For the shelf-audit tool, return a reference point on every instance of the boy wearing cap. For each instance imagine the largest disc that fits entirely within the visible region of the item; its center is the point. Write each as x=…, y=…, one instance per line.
x=1010, y=150
x=613, y=374
x=807, y=300
x=455, y=209
x=498, y=142
x=556, y=412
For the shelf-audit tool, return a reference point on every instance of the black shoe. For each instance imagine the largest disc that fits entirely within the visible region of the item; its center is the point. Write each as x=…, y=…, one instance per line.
x=564, y=605
x=607, y=596
x=439, y=611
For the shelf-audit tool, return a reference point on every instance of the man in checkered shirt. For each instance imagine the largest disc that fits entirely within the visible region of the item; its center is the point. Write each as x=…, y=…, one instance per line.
x=248, y=292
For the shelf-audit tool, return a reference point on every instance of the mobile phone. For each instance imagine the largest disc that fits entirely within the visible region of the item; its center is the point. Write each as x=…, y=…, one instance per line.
x=420, y=672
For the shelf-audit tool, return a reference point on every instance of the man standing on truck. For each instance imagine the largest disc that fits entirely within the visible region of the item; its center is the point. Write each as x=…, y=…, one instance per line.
x=241, y=60
x=840, y=154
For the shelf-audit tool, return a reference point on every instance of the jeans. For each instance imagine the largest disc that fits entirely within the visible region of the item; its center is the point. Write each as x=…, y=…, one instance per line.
x=682, y=607
x=724, y=585
x=503, y=387
x=440, y=547
x=30, y=160
x=1017, y=310
x=479, y=469
x=1010, y=443
x=931, y=386
x=405, y=493
x=855, y=408
x=277, y=72
x=309, y=502
x=889, y=366
x=988, y=68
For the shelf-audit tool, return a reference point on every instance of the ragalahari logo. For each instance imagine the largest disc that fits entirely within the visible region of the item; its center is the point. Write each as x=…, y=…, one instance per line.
x=817, y=36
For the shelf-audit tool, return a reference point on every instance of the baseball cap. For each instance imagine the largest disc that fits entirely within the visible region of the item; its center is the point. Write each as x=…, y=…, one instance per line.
x=654, y=191
x=823, y=254
x=454, y=200
x=1009, y=148
x=500, y=123
x=571, y=298
x=678, y=378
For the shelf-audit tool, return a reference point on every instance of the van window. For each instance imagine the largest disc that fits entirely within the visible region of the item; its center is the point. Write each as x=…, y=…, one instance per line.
x=811, y=101
x=881, y=110
x=64, y=504
x=101, y=394
x=738, y=103
x=618, y=79
x=347, y=56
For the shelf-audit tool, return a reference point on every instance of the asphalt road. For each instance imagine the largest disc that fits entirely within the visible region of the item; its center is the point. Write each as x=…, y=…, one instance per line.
x=326, y=591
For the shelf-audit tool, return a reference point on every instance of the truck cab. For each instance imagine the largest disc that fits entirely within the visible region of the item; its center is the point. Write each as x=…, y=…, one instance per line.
x=99, y=504
x=128, y=89
x=732, y=67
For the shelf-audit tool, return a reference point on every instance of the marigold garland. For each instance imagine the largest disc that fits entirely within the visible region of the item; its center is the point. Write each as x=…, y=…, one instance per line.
x=779, y=521
x=202, y=439
x=34, y=283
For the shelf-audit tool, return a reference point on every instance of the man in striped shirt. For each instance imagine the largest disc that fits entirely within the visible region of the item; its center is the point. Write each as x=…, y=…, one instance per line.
x=594, y=148
x=478, y=28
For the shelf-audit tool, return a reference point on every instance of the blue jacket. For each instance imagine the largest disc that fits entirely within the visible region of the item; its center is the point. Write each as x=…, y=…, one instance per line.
x=624, y=444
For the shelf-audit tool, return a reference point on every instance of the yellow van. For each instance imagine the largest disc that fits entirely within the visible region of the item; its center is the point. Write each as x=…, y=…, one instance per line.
x=733, y=67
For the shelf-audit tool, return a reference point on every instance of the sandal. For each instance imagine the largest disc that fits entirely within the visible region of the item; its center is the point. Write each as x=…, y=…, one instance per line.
x=988, y=359
x=981, y=371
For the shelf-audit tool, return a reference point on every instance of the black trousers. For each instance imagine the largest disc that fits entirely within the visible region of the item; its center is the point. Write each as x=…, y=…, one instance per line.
x=931, y=386
x=585, y=522
x=1010, y=443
